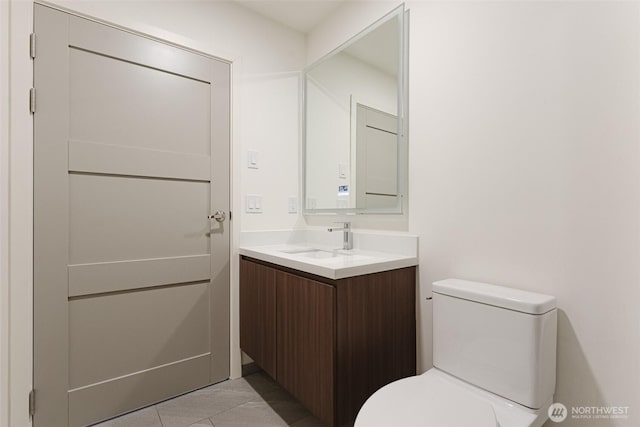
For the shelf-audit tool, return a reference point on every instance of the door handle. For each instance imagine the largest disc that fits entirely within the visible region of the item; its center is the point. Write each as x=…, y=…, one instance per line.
x=219, y=216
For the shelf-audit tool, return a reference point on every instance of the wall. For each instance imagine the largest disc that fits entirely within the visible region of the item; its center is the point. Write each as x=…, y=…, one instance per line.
x=267, y=58
x=524, y=169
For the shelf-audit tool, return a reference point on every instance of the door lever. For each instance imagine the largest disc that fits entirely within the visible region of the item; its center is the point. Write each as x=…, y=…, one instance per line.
x=219, y=216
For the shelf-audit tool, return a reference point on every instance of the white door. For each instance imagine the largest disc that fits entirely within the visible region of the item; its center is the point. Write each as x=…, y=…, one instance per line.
x=131, y=279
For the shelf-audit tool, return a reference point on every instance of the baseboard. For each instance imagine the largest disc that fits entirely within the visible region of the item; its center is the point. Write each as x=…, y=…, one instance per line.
x=250, y=368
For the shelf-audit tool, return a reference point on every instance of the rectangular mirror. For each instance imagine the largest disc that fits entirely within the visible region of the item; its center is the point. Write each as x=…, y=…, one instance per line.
x=354, y=146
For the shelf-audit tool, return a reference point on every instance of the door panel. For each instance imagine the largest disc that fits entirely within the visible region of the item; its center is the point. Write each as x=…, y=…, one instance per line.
x=114, y=218
x=152, y=327
x=103, y=277
x=377, y=158
x=381, y=160
x=134, y=391
x=131, y=280
x=136, y=106
x=86, y=35
x=121, y=160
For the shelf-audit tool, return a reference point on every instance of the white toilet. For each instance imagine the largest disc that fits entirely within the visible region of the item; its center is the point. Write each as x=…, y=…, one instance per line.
x=494, y=357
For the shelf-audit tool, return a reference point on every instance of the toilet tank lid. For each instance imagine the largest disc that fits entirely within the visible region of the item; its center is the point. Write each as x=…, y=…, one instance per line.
x=499, y=296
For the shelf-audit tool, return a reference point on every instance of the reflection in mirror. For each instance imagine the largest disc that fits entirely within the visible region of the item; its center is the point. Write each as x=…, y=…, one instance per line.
x=353, y=100
x=376, y=159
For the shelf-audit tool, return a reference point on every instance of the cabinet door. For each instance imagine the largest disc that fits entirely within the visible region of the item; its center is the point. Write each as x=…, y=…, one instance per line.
x=306, y=342
x=376, y=338
x=258, y=314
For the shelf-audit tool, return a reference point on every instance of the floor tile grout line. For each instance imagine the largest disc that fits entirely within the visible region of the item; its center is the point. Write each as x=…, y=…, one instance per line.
x=158, y=413
x=204, y=419
x=214, y=389
x=227, y=410
x=254, y=397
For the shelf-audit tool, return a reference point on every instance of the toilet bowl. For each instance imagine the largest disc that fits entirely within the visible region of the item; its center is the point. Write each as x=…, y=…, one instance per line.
x=437, y=399
x=494, y=358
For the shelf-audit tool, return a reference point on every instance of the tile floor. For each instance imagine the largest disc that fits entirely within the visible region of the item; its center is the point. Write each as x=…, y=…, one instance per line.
x=254, y=400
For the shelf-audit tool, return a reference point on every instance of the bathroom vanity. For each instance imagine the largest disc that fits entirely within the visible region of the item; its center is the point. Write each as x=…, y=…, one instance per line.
x=331, y=325
x=333, y=336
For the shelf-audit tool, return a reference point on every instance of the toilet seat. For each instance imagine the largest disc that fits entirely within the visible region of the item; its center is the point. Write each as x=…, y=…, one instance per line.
x=426, y=400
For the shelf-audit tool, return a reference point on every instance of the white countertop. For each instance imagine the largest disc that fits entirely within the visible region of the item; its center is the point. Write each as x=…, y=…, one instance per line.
x=338, y=264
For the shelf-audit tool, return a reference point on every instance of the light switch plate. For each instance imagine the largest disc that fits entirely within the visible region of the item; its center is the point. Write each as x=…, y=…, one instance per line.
x=342, y=171
x=253, y=203
x=293, y=205
x=253, y=159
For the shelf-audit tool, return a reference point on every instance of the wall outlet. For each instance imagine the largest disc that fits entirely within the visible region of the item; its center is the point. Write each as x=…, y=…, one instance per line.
x=253, y=203
x=293, y=205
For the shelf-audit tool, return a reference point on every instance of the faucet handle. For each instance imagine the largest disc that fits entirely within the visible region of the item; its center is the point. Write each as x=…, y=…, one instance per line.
x=347, y=235
x=346, y=226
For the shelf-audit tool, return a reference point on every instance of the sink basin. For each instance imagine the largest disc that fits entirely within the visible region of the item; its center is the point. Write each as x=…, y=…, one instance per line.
x=320, y=254
x=297, y=250
x=315, y=253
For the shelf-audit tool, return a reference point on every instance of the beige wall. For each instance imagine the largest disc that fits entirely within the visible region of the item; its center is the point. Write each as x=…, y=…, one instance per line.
x=524, y=169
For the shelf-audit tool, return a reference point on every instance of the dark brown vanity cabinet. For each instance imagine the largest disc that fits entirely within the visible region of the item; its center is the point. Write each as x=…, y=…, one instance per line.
x=330, y=343
x=258, y=314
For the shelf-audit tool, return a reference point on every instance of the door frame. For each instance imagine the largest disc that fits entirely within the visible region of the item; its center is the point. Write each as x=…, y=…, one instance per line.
x=16, y=204
x=17, y=209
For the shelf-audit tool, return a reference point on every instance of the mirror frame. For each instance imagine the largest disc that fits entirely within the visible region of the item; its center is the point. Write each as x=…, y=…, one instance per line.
x=400, y=14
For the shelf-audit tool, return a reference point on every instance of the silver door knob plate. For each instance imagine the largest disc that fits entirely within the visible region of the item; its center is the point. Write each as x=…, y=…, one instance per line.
x=218, y=216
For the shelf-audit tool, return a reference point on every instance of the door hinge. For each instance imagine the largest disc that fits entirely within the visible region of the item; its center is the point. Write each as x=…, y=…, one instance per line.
x=32, y=403
x=32, y=100
x=32, y=45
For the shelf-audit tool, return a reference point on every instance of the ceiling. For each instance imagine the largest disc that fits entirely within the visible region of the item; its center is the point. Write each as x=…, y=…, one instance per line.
x=301, y=15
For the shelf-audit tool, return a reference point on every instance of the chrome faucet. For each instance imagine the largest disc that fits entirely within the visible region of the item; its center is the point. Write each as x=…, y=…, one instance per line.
x=347, y=235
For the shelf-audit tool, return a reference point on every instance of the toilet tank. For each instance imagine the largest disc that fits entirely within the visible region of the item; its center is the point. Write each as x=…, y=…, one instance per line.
x=497, y=338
